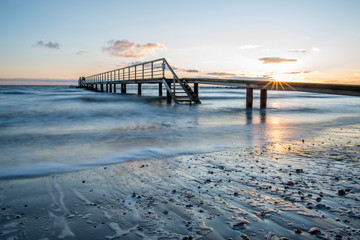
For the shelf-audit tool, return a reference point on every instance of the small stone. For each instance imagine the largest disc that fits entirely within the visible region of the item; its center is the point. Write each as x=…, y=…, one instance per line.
x=341, y=192
x=318, y=199
x=173, y=191
x=245, y=237
x=165, y=211
x=236, y=194
x=83, y=181
x=189, y=205
x=314, y=230
x=297, y=231
x=290, y=183
x=299, y=170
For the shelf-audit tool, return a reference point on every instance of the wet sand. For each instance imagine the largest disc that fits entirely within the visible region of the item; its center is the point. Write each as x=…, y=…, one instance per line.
x=301, y=189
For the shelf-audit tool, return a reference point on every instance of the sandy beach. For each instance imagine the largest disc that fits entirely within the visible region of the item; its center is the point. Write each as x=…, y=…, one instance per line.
x=300, y=189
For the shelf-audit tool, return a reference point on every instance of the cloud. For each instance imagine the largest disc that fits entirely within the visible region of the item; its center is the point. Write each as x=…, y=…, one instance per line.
x=298, y=50
x=52, y=45
x=220, y=74
x=300, y=72
x=126, y=49
x=191, y=70
x=315, y=49
x=249, y=46
x=82, y=52
x=276, y=60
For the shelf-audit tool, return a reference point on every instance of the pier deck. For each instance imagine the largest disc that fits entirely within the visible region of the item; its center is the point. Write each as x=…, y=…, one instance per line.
x=179, y=90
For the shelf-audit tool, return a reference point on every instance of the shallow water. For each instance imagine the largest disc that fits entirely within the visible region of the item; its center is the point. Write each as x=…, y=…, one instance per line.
x=50, y=129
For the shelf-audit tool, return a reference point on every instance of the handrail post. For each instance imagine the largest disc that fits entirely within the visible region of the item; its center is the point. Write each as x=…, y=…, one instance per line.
x=143, y=72
x=152, y=70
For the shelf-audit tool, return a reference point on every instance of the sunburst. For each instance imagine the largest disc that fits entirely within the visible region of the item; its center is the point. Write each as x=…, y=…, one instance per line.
x=277, y=83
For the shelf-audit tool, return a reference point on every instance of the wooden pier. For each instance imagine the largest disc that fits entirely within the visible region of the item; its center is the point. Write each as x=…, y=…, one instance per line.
x=179, y=90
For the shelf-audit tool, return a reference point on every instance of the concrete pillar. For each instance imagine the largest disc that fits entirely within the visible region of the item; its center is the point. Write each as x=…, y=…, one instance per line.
x=263, y=98
x=160, y=89
x=139, y=88
x=196, y=89
x=249, y=97
x=123, y=88
x=168, y=96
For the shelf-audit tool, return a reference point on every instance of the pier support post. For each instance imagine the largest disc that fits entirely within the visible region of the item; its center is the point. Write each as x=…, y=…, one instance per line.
x=107, y=87
x=114, y=88
x=249, y=97
x=139, y=88
x=110, y=87
x=196, y=89
x=160, y=89
x=263, y=98
x=168, y=96
x=123, y=88
x=102, y=87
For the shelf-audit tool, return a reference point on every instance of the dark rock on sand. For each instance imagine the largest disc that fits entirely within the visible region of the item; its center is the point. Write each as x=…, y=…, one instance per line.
x=341, y=192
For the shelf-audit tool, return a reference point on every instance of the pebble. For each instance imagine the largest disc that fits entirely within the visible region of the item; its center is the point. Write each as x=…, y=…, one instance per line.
x=314, y=230
x=298, y=231
x=245, y=237
x=341, y=192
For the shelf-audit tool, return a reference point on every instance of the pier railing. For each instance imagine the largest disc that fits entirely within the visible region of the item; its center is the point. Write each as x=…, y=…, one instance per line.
x=141, y=71
x=155, y=71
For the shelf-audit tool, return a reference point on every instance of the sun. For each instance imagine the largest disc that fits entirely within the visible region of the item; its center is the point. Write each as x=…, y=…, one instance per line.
x=278, y=85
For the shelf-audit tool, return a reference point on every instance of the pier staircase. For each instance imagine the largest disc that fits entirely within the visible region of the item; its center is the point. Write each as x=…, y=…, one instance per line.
x=179, y=89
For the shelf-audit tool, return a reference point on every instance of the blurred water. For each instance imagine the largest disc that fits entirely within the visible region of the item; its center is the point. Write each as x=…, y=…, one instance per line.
x=47, y=129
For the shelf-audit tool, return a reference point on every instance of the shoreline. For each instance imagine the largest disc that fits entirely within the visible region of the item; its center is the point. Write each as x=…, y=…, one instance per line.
x=297, y=189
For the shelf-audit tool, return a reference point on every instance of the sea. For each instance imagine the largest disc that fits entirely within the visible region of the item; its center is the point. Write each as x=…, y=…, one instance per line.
x=54, y=129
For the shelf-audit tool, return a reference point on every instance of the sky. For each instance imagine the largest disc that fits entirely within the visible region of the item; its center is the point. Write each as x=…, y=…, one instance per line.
x=55, y=42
